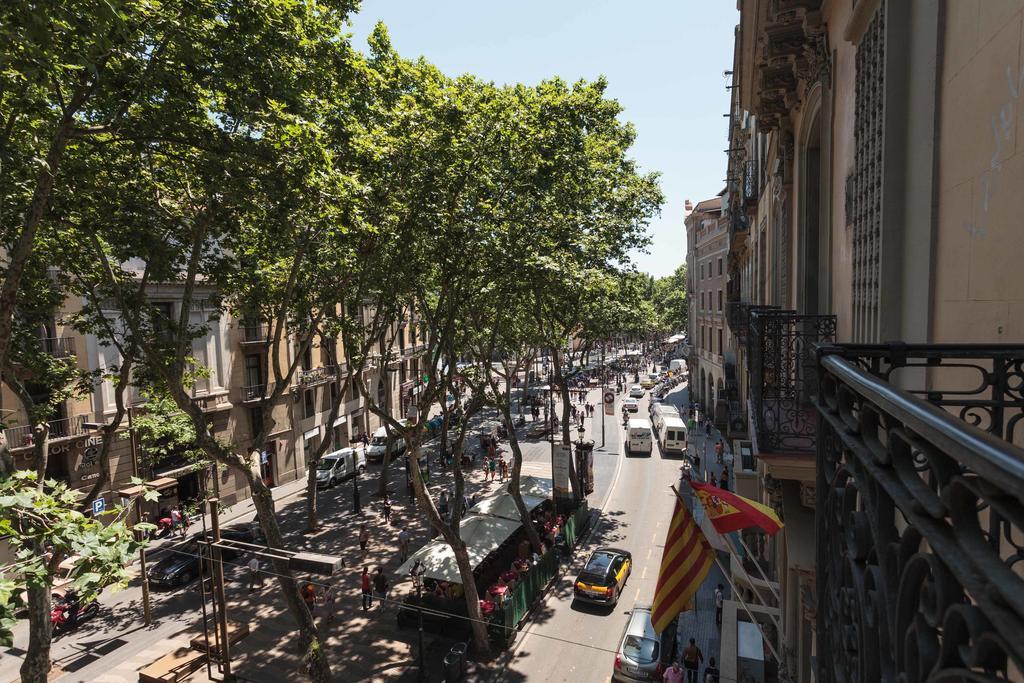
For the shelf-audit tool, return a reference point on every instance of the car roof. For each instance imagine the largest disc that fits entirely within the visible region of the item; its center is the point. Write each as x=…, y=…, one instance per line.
x=639, y=423
x=640, y=624
x=676, y=422
x=607, y=549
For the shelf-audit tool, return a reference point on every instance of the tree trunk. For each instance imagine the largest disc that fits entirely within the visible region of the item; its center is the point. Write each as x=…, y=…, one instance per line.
x=513, y=485
x=37, y=659
x=312, y=519
x=309, y=642
x=563, y=390
x=481, y=644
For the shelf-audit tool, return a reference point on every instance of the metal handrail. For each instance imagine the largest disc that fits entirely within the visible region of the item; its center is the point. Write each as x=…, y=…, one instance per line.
x=979, y=450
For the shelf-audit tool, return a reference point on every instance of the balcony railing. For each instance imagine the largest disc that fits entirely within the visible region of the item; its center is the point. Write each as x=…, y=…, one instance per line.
x=253, y=333
x=58, y=347
x=67, y=428
x=920, y=514
x=783, y=377
x=254, y=392
x=318, y=375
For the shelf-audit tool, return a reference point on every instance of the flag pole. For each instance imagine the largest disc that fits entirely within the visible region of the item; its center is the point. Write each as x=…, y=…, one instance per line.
x=736, y=593
x=764, y=577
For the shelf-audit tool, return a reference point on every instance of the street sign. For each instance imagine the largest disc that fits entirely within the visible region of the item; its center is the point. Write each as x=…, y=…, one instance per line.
x=98, y=505
x=609, y=403
x=609, y=397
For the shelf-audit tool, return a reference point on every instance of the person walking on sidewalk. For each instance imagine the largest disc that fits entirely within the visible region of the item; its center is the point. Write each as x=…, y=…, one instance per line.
x=673, y=674
x=255, y=580
x=692, y=657
x=403, y=545
x=503, y=469
x=492, y=468
x=387, y=509
x=442, y=503
x=723, y=481
x=365, y=587
x=711, y=672
x=719, y=601
x=364, y=539
x=720, y=451
x=380, y=587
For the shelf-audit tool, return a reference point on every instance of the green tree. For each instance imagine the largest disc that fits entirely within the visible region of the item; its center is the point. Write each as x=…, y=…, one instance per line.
x=670, y=302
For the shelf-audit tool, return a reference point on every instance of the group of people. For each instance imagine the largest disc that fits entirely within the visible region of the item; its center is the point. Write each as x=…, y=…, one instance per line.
x=689, y=667
x=495, y=467
x=172, y=522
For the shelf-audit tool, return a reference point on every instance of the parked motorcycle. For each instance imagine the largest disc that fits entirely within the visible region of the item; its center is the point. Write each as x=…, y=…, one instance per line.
x=67, y=613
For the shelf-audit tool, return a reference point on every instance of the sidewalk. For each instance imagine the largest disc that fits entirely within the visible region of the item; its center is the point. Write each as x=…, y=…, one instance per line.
x=363, y=646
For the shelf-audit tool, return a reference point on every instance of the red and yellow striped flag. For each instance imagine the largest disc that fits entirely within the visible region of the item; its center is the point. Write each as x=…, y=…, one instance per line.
x=685, y=563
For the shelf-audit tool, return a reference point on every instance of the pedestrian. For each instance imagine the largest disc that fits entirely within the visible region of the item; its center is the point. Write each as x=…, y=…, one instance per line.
x=711, y=672
x=175, y=520
x=403, y=545
x=720, y=451
x=364, y=538
x=494, y=468
x=692, y=657
x=442, y=503
x=719, y=601
x=673, y=674
x=723, y=481
x=380, y=586
x=387, y=509
x=503, y=468
x=364, y=584
x=254, y=574
x=309, y=596
x=365, y=439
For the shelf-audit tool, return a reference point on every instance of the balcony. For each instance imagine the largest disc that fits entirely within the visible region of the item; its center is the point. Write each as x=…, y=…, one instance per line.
x=212, y=403
x=253, y=333
x=315, y=376
x=783, y=378
x=67, y=428
x=920, y=513
x=58, y=347
x=251, y=393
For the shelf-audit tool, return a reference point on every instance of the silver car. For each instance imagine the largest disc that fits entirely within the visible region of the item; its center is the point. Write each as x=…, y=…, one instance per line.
x=643, y=654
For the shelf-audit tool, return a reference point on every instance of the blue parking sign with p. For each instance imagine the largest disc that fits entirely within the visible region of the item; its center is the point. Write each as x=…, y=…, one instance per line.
x=98, y=505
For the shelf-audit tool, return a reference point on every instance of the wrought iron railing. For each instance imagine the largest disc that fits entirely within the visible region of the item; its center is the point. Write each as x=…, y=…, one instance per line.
x=319, y=375
x=254, y=333
x=920, y=516
x=58, y=347
x=66, y=428
x=783, y=376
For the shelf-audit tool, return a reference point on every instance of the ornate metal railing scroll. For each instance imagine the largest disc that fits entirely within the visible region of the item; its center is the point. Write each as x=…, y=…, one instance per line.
x=783, y=376
x=920, y=534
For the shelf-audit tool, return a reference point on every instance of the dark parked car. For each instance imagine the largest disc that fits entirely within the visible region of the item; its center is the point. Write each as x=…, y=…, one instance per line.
x=603, y=577
x=182, y=565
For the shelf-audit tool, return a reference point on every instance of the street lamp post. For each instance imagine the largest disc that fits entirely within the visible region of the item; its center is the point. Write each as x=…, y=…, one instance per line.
x=417, y=578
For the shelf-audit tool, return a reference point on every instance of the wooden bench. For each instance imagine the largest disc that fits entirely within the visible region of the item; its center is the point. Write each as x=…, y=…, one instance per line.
x=235, y=633
x=173, y=667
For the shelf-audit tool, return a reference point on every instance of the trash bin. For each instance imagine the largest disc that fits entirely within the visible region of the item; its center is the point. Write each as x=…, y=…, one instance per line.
x=452, y=668
x=460, y=649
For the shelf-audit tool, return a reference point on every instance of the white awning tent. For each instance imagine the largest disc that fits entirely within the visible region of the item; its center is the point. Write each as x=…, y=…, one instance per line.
x=481, y=534
x=501, y=504
x=540, y=487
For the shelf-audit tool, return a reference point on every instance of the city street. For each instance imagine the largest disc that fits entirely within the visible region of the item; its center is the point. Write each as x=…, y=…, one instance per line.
x=113, y=646
x=568, y=641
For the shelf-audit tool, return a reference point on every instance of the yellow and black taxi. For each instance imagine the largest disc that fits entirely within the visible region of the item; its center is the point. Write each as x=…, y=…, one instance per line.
x=603, y=577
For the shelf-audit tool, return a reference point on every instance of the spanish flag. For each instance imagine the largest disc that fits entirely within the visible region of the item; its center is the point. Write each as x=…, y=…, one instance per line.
x=729, y=512
x=686, y=561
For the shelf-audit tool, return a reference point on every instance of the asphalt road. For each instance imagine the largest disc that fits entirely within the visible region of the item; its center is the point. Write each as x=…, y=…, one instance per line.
x=568, y=641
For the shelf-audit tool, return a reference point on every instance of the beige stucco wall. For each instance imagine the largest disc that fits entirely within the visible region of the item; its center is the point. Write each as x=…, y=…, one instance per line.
x=978, y=295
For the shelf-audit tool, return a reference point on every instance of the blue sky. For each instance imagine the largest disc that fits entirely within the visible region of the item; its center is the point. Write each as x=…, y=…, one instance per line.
x=663, y=59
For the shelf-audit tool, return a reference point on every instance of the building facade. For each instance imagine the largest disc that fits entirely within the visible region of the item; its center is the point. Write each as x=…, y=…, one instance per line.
x=707, y=239
x=877, y=330
x=232, y=391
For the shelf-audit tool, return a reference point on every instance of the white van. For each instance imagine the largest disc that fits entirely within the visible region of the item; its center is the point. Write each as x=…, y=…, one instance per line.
x=660, y=412
x=639, y=437
x=339, y=465
x=672, y=435
x=379, y=442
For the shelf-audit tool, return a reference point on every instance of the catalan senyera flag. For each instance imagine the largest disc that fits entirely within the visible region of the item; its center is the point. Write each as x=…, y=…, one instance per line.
x=685, y=563
x=730, y=512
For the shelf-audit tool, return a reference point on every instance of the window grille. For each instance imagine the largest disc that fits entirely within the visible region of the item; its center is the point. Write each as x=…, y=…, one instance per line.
x=869, y=109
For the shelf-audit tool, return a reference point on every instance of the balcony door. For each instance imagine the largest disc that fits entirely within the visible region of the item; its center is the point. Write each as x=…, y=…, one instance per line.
x=814, y=295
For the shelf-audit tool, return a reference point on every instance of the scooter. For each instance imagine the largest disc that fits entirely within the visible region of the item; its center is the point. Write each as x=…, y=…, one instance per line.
x=66, y=615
